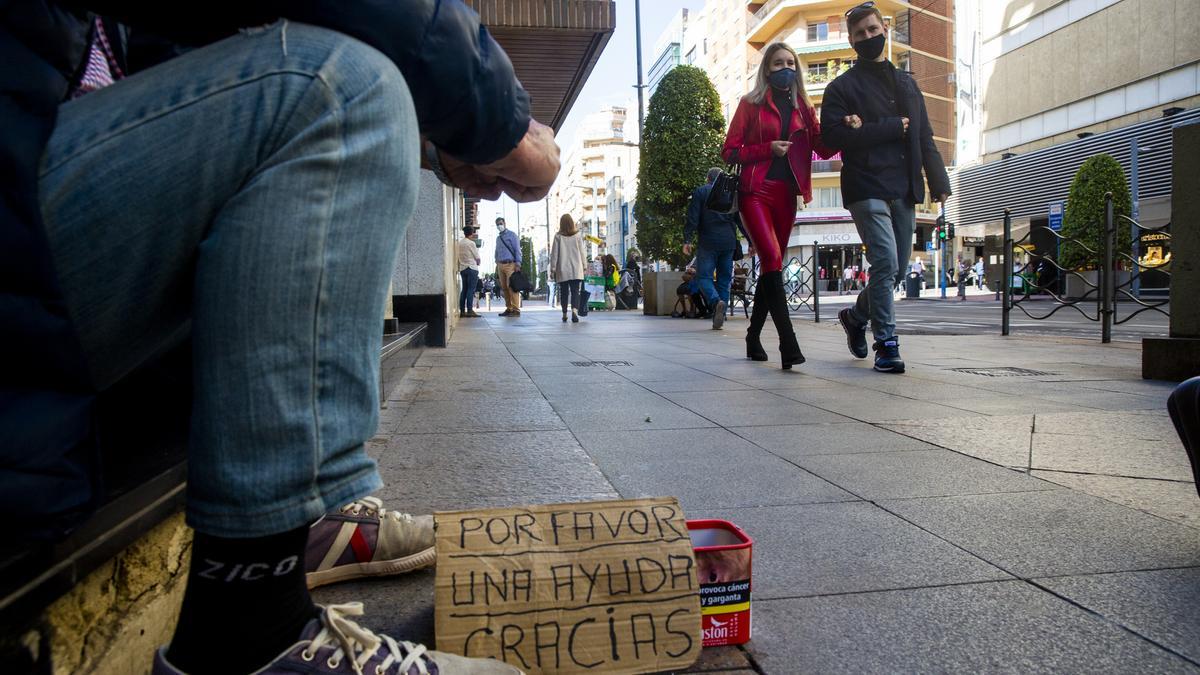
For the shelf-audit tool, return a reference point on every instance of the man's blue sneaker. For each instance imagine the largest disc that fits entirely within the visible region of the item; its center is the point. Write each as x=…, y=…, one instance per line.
x=887, y=356
x=856, y=334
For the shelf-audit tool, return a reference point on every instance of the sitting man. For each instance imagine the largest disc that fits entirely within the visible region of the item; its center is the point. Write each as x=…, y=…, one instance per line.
x=250, y=194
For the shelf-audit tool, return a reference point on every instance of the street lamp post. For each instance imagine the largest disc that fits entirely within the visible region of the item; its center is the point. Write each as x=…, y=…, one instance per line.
x=637, y=22
x=1134, y=234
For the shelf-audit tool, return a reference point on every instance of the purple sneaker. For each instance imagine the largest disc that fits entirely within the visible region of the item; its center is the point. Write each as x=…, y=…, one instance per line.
x=363, y=539
x=333, y=640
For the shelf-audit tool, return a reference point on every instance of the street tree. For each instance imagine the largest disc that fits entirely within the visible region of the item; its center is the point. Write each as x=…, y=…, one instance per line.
x=682, y=138
x=1083, y=219
x=530, y=262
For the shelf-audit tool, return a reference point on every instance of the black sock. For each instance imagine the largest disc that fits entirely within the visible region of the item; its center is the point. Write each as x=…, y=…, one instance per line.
x=245, y=602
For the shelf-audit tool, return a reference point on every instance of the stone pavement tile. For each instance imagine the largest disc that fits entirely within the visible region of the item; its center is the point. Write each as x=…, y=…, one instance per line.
x=1003, y=440
x=405, y=390
x=1110, y=455
x=506, y=371
x=1053, y=532
x=802, y=440
x=1149, y=425
x=466, y=414
x=434, y=359
x=575, y=377
x=427, y=472
x=818, y=549
x=705, y=468
x=751, y=408
x=1105, y=400
x=1153, y=388
x=1163, y=605
x=990, y=627
x=450, y=390
x=1009, y=404
x=871, y=406
x=695, y=382
x=920, y=473
x=574, y=390
x=1172, y=500
x=632, y=412
x=721, y=659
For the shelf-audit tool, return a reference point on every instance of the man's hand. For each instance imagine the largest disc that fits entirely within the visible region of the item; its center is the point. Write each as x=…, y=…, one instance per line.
x=904, y=121
x=687, y=249
x=852, y=121
x=468, y=178
x=941, y=197
x=526, y=173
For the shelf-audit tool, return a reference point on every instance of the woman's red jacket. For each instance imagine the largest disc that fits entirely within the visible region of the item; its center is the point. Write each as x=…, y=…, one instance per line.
x=749, y=143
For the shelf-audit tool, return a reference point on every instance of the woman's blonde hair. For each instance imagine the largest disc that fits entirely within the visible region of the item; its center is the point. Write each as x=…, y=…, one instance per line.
x=566, y=225
x=762, y=83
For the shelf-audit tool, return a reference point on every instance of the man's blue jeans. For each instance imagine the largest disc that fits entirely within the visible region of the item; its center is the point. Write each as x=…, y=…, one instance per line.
x=251, y=194
x=466, y=296
x=708, y=260
x=886, y=227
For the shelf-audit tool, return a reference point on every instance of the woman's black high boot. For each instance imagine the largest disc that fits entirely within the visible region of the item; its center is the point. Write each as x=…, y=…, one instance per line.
x=758, y=317
x=789, y=349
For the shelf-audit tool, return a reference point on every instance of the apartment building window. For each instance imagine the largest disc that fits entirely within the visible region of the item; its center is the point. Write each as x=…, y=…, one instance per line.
x=828, y=198
x=817, y=71
x=818, y=31
x=691, y=56
x=900, y=31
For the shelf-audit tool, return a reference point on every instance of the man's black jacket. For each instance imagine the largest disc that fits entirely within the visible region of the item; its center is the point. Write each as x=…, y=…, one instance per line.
x=468, y=102
x=717, y=230
x=879, y=160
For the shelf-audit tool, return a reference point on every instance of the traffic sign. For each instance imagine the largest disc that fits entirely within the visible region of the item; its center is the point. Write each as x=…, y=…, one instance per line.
x=1056, y=216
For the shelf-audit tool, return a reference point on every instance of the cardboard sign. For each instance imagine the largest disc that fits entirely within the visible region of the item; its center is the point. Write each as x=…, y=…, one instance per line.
x=600, y=587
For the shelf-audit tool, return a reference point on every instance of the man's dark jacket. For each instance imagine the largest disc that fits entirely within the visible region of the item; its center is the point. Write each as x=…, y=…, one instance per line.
x=880, y=160
x=717, y=230
x=467, y=99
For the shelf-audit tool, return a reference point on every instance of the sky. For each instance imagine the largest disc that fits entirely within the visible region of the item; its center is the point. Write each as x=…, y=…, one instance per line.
x=612, y=81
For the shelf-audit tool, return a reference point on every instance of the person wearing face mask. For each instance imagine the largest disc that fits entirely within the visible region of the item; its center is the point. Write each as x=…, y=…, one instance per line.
x=508, y=260
x=884, y=148
x=773, y=136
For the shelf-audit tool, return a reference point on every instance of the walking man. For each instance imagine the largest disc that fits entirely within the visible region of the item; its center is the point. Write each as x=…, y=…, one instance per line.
x=893, y=131
x=717, y=240
x=978, y=272
x=508, y=260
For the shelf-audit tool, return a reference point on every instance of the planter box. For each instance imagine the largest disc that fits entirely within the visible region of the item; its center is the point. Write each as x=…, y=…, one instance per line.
x=659, y=291
x=1076, y=288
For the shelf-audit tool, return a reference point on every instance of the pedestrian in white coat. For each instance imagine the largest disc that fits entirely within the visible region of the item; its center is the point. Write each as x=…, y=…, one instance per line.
x=567, y=265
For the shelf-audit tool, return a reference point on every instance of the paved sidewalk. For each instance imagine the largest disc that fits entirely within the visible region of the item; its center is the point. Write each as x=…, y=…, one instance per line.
x=942, y=520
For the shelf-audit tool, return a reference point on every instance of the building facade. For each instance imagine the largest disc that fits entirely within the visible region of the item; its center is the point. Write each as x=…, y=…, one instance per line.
x=1055, y=82
x=600, y=153
x=667, y=49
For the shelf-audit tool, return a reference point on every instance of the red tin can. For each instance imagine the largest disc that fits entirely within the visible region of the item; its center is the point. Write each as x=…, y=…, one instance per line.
x=723, y=568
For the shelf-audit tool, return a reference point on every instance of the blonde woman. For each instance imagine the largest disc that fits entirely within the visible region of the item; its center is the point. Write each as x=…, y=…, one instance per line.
x=773, y=135
x=568, y=265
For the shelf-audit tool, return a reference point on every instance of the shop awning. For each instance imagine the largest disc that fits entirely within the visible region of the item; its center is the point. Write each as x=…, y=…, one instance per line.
x=553, y=44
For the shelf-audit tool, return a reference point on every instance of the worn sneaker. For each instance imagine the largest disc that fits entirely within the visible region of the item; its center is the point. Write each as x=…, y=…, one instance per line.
x=328, y=642
x=718, y=317
x=856, y=333
x=363, y=539
x=887, y=356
